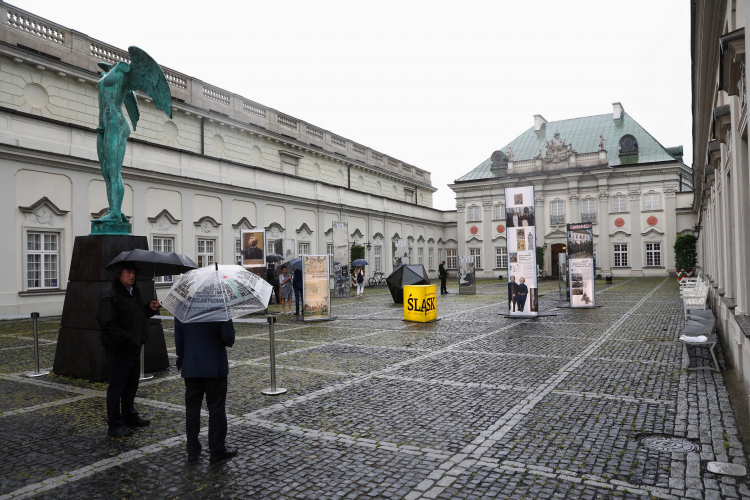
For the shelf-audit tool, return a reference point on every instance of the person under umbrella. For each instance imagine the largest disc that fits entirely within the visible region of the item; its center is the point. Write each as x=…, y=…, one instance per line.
x=359, y=274
x=123, y=320
x=204, y=302
x=285, y=283
x=297, y=285
x=273, y=281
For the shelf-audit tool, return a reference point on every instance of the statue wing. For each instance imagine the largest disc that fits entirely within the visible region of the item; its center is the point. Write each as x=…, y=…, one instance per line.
x=147, y=76
x=131, y=105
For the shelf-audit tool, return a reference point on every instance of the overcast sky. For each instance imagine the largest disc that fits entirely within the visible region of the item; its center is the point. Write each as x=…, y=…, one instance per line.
x=439, y=85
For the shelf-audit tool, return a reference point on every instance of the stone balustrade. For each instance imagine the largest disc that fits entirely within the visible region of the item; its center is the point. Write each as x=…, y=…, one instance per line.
x=81, y=51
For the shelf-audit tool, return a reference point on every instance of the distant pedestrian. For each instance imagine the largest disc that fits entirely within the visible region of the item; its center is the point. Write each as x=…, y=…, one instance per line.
x=443, y=275
x=203, y=364
x=359, y=274
x=297, y=285
x=271, y=279
x=123, y=320
x=285, y=283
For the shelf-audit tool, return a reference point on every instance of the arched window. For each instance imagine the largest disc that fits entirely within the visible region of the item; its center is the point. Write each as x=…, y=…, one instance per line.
x=498, y=212
x=557, y=212
x=651, y=201
x=474, y=213
x=618, y=203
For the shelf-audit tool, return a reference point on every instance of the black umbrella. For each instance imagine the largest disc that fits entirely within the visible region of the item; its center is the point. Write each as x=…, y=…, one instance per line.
x=154, y=263
x=290, y=266
x=405, y=275
x=274, y=257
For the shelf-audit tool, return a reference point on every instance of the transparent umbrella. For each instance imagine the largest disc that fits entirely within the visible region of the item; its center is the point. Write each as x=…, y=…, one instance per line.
x=217, y=293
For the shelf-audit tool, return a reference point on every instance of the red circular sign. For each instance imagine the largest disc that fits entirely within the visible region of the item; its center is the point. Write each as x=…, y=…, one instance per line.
x=500, y=228
x=619, y=222
x=474, y=230
x=652, y=221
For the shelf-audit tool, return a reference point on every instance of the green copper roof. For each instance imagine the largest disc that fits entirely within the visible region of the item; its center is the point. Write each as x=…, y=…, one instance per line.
x=583, y=134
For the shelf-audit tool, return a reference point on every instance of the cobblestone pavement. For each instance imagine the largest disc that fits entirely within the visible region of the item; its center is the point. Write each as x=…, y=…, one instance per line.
x=475, y=406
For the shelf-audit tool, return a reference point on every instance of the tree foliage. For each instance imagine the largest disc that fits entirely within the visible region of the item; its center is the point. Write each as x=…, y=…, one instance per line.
x=356, y=252
x=685, y=252
x=540, y=257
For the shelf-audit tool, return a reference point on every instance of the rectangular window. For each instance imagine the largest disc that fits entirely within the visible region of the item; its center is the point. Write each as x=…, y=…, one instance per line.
x=431, y=259
x=588, y=210
x=440, y=255
x=621, y=255
x=474, y=213
x=206, y=252
x=329, y=251
x=238, y=251
x=618, y=204
x=164, y=245
x=501, y=257
x=651, y=201
x=42, y=260
x=451, y=262
x=420, y=255
x=498, y=212
x=303, y=249
x=378, y=259
x=477, y=253
x=557, y=212
x=271, y=246
x=653, y=254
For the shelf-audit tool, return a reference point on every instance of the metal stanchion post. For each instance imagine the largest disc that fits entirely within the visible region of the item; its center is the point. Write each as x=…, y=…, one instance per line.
x=273, y=391
x=37, y=371
x=143, y=366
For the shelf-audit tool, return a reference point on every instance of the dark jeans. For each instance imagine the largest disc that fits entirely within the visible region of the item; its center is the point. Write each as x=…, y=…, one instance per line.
x=215, y=390
x=521, y=301
x=124, y=372
x=297, y=297
x=442, y=284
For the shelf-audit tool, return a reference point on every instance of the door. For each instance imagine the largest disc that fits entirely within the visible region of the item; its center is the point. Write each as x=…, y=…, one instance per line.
x=557, y=249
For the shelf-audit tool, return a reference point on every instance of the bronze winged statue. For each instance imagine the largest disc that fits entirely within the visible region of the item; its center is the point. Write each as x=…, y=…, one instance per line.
x=117, y=87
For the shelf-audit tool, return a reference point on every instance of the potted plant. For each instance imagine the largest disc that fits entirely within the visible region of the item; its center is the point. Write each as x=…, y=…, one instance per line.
x=540, y=260
x=685, y=255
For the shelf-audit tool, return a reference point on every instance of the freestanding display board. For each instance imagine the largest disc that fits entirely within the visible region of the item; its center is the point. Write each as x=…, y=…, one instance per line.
x=400, y=249
x=341, y=258
x=288, y=249
x=521, y=242
x=420, y=303
x=253, y=245
x=581, y=265
x=316, y=296
x=467, y=284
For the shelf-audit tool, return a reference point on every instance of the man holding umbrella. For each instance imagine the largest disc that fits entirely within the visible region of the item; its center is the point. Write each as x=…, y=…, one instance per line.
x=123, y=320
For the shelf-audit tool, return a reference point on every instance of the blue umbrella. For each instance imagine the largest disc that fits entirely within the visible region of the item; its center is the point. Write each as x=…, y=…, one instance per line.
x=360, y=263
x=291, y=266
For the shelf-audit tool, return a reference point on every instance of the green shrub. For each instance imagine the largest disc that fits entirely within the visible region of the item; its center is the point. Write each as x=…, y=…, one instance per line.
x=685, y=253
x=356, y=252
x=540, y=257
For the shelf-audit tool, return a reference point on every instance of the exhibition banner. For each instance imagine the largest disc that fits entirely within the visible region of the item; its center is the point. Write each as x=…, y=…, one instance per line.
x=467, y=284
x=341, y=258
x=253, y=246
x=400, y=252
x=581, y=273
x=521, y=243
x=316, y=296
x=287, y=249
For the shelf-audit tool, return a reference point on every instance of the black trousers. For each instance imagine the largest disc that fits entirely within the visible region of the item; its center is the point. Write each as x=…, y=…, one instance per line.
x=215, y=390
x=442, y=284
x=124, y=372
x=297, y=297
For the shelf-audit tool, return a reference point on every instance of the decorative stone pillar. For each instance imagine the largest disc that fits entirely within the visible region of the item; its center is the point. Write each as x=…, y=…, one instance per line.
x=603, y=252
x=540, y=223
x=488, y=252
x=461, y=227
x=670, y=227
x=635, y=250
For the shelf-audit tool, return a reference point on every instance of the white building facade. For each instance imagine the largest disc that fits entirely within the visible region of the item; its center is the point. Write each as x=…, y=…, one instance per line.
x=721, y=162
x=223, y=163
x=603, y=169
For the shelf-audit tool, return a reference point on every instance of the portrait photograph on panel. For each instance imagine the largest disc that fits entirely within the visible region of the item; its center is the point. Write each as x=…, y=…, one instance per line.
x=252, y=249
x=519, y=216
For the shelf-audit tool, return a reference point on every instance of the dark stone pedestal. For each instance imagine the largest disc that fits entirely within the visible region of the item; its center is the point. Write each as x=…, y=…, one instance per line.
x=79, y=352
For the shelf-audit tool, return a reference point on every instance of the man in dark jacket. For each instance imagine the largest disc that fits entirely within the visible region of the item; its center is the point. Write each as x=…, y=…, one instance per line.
x=297, y=284
x=123, y=321
x=512, y=294
x=274, y=282
x=202, y=361
x=443, y=275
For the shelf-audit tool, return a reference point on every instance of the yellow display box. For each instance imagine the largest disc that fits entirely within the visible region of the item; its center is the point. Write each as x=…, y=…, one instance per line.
x=420, y=303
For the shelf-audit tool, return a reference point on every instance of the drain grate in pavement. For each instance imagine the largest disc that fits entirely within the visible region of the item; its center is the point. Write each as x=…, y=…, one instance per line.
x=668, y=443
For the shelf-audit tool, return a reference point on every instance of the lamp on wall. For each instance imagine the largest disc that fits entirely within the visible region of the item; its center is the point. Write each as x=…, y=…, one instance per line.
x=544, y=247
x=697, y=231
x=368, y=246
